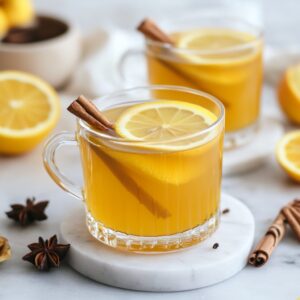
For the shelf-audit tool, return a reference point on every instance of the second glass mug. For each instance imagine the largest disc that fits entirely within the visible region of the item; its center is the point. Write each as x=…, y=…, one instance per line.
x=138, y=198
x=232, y=74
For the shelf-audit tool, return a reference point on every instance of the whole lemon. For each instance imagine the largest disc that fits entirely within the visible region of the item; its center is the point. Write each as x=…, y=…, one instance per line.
x=18, y=12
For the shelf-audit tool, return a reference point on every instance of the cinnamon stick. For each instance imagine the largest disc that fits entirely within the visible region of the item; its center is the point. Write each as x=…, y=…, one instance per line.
x=92, y=109
x=296, y=213
x=139, y=193
x=296, y=203
x=153, y=32
x=88, y=111
x=79, y=111
x=292, y=220
x=290, y=214
x=269, y=242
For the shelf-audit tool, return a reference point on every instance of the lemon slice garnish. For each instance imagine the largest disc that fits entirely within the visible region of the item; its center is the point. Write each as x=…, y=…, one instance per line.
x=214, y=40
x=165, y=125
x=288, y=154
x=30, y=108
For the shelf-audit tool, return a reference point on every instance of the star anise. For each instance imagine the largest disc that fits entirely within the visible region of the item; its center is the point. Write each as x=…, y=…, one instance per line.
x=46, y=253
x=5, y=252
x=27, y=214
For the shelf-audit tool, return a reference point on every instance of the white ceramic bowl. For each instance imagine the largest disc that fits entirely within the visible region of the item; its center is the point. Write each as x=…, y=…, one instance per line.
x=53, y=59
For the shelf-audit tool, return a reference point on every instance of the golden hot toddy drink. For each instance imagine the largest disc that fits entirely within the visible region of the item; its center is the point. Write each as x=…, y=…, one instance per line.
x=152, y=166
x=168, y=185
x=226, y=63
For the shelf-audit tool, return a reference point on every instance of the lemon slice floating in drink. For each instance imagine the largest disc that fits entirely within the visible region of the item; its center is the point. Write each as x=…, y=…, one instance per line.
x=171, y=132
x=288, y=154
x=165, y=125
x=213, y=41
x=30, y=109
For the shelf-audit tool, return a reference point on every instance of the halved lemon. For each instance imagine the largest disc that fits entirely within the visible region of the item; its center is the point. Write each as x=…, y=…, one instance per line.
x=164, y=124
x=29, y=110
x=288, y=154
x=289, y=93
x=212, y=40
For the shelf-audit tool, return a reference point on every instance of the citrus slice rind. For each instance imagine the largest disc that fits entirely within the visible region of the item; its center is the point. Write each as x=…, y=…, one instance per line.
x=288, y=154
x=165, y=125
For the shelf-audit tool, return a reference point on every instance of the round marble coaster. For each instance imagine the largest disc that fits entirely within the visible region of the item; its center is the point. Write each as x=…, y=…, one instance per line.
x=255, y=153
x=191, y=268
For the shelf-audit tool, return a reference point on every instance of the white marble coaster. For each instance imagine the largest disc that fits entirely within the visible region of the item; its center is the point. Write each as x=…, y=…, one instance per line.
x=255, y=153
x=191, y=268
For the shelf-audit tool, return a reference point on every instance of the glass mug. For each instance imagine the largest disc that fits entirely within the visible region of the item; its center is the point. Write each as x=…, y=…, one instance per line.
x=144, y=199
x=231, y=73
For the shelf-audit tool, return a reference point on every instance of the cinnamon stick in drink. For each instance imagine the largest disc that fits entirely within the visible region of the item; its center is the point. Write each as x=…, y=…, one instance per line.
x=153, y=32
x=137, y=191
x=269, y=242
x=79, y=111
x=88, y=111
x=93, y=110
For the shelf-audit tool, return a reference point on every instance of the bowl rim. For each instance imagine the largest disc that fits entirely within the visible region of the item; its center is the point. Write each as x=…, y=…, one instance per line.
x=71, y=30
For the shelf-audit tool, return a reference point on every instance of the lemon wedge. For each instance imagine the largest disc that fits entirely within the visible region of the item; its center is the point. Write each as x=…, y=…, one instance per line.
x=165, y=125
x=30, y=109
x=288, y=154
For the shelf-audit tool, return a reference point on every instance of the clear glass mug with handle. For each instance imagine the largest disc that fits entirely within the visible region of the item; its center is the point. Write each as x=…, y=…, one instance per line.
x=147, y=196
x=221, y=55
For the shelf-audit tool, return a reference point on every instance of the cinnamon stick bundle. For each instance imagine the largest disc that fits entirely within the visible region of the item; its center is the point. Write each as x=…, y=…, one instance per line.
x=289, y=214
x=88, y=111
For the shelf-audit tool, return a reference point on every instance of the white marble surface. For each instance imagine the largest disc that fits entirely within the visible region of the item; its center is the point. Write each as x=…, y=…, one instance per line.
x=197, y=267
x=264, y=190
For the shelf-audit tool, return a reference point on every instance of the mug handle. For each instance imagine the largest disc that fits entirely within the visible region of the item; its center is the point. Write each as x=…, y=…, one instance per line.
x=49, y=158
x=122, y=63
